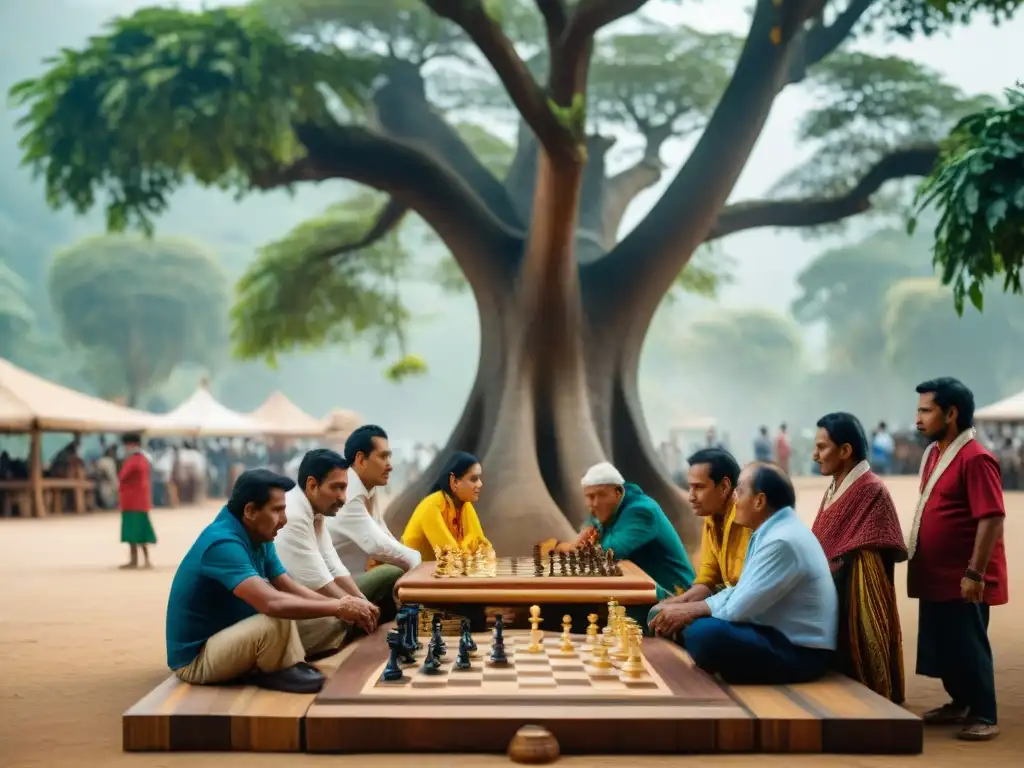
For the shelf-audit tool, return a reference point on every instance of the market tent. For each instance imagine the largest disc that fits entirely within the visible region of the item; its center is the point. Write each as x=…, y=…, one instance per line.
x=29, y=402
x=287, y=419
x=1008, y=409
x=202, y=415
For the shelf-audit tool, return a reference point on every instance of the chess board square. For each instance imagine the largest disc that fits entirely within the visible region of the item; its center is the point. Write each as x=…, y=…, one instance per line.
x=537, y=682
x=461, y=681
x=430, y=681
x=532, y=659
x=575, y=665
x=498, y=675
x=566, y=677
x=533, y=673
x=599, y=674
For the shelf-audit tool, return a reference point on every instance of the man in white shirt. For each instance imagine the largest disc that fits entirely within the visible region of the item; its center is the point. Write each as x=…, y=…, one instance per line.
x=359, y=533
x=305, y=550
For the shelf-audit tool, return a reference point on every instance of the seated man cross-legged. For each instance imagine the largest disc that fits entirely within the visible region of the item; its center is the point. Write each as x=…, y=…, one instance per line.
x=778, y=624
x=305, y=548
x=232, y=608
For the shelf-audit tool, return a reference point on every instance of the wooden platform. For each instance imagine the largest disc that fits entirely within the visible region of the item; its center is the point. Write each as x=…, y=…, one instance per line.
x=691, y=713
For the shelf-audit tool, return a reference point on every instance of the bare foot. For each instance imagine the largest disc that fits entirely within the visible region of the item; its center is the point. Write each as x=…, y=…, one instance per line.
x=147, y=565
x=128, y=566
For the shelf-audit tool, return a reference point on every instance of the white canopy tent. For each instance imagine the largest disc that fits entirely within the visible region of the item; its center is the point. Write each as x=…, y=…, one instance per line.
x=287, y=419
x=202, y=415
x=1010, y=409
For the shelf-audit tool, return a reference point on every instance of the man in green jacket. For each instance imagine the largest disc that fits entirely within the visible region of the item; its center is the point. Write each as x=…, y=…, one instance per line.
x=632, y=524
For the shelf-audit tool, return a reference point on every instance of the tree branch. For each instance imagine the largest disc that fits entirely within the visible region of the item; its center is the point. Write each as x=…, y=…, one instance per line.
x=621, y=190
x=404, y=113
x=649, y=259
x=389, y=218
x=478, y=240
x=526, y=94
x=821, y=40
x=556, y=16
x=809, y=212
x=571, y=59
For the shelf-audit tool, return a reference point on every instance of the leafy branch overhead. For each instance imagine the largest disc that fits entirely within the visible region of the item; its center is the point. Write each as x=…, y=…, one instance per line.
x=978, y=190
x=444, y=106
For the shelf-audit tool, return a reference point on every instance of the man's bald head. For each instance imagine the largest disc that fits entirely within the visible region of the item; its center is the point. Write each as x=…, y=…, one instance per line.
x=763, y=490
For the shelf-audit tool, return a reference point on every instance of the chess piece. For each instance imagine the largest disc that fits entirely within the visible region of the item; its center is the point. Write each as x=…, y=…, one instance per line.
x=538, y=563
x=633, y=667
x=414, y=623
x=551, y=563
x=440, y=648
x=599, y=656
x=536, y=636
x=393, y=671
x=407, y=644
x=562, y=557
x=573, y=563
x=462, y=659
x=592, y=630
x=533, y=745
x=431, y=663
x=621, y=651
x=467, y=636
x=498, y=644
x=566, y=646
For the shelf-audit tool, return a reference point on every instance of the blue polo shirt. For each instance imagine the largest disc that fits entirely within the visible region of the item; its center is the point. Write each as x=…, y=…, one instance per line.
x=202, y=602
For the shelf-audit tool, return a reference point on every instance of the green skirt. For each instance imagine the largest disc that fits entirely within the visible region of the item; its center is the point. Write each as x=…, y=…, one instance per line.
x=136, y=528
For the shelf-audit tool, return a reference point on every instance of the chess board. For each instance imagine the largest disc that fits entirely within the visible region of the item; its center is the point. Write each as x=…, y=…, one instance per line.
x=551, y=672
x=516, y=583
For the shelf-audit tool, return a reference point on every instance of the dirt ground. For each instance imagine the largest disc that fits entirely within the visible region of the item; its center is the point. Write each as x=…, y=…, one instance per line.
x=80, y=641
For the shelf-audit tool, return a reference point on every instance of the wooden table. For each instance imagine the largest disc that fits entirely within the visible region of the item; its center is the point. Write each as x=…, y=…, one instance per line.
x=20, y=491
x=516, y=588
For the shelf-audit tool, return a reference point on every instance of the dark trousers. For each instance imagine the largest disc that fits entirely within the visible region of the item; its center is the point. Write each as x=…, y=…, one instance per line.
x=749, y=654
x=952, y=645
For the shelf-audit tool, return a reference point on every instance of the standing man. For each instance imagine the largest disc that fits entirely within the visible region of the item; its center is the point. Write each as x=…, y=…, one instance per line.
x=763, y=446
x=358, y=531
x=783, y=450
x=882, y=449
x=135, y=497
x=957, y=563
x=306, y=552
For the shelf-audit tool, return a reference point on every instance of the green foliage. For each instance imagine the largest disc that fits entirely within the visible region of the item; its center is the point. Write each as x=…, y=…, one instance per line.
x=978, y=190
x=297, y=296
x=930, y=16
x=492, y=150
x=406, y=367
x=166, y=95
x=139, y=307
x=867, y=106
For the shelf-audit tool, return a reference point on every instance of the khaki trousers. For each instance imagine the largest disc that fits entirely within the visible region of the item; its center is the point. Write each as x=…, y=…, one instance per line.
x=324, y=636
x=258, y=642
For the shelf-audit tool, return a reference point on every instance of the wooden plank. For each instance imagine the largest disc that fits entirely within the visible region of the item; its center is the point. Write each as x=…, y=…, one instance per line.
x=782, y=724
x=179, y=717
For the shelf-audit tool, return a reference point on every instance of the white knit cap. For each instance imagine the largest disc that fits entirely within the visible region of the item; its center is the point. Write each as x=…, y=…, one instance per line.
x=602, y=474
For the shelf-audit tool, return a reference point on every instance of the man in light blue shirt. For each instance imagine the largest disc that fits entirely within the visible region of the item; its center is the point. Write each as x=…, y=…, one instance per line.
x=778, y=624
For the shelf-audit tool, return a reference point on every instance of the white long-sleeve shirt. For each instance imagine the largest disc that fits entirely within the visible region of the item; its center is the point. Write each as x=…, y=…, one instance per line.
x=360, y=534
x=304, y=545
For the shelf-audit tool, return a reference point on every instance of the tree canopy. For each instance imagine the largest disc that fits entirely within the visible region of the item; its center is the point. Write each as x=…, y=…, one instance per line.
x=138, y=307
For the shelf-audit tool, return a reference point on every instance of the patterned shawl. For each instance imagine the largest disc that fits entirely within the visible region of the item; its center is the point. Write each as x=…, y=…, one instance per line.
x=860, y=516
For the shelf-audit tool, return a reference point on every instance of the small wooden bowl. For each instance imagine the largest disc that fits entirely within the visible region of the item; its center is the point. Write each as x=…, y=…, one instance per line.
x=533, y=745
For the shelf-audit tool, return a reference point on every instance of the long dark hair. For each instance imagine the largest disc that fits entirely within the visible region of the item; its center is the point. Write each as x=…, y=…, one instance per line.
x=457, y=465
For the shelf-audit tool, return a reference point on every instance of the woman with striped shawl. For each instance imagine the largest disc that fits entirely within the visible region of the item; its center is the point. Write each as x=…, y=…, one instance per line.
x=860, y=533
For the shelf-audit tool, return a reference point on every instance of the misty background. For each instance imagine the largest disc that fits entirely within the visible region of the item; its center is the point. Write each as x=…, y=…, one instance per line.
x=779, y=342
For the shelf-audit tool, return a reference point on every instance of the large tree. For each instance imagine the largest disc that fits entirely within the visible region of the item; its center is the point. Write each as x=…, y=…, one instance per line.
x=271, y=96
x=137, y=308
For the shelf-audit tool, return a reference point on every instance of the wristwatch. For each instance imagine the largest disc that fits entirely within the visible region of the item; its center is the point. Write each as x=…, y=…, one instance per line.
x=974, y=575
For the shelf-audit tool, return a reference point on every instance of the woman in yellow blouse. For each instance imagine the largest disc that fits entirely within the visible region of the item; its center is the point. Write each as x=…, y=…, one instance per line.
x=446, y=516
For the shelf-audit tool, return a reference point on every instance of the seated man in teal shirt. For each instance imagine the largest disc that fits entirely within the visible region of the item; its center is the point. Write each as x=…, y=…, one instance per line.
x=231, y=611
x=777, y=625
x=631, y=523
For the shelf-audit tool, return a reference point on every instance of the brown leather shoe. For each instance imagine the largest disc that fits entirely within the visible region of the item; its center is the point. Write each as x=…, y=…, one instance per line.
x=978, y=732
x=947, y=714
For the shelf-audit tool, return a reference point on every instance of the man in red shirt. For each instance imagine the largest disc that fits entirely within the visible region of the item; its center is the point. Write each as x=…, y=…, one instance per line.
x=957, y=563
x=134, y=497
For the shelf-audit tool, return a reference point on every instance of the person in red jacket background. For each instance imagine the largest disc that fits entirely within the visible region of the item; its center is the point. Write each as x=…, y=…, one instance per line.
x=134, y=497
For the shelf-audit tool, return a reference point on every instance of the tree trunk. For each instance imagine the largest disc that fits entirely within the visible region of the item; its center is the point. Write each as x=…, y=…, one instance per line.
x=530, y=415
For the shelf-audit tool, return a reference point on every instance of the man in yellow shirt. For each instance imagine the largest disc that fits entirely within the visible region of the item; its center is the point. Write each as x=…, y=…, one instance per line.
x=712, y=477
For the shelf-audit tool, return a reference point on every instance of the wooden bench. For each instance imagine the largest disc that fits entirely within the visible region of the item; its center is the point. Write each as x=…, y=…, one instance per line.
x=835, y=715
x=20, y=492
x=178, y=717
